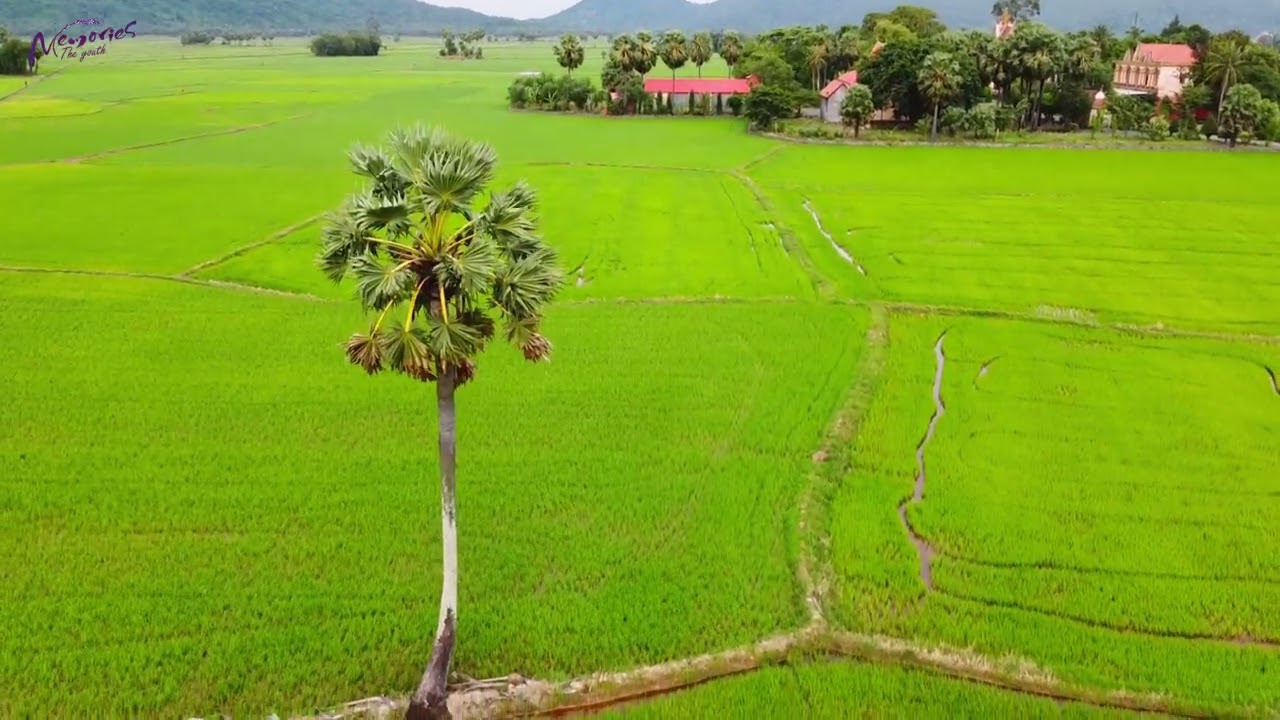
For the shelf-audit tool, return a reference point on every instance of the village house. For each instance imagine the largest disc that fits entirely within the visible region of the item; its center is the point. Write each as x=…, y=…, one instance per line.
x=833, y=95
x=1159, y=69
x=716, y=90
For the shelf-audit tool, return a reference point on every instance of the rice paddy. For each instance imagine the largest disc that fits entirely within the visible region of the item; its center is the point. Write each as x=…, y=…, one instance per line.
x=204, y=510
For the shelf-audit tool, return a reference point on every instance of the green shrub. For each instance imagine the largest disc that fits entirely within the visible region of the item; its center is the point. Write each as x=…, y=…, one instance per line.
x=1158, y=129
x=735, y=105
x=1209, y=128
x=981, y=121
x=954, y=120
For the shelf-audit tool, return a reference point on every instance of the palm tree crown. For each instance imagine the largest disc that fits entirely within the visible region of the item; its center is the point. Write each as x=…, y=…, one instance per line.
x=435, y=269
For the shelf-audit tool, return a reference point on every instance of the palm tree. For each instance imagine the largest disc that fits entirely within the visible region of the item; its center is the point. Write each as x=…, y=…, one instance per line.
x=674, y=53
x=569, y=53
x=1104, y=39
x=1223, y=65
x=624, y=52
x=645, y=53
x=731, y=49
x=438, y=272
x=939, y=81
x=700, y=51
x=817, y=62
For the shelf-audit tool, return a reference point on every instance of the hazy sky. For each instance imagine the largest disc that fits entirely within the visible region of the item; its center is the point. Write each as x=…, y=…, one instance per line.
x=517, y=8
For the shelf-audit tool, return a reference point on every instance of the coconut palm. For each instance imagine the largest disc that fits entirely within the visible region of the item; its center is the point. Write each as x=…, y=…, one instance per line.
x=939, y=81
x=731, y=48
x=569, y=53
x=1224, y=63
x=700, y=50
x=645, y=52
x=437, y=272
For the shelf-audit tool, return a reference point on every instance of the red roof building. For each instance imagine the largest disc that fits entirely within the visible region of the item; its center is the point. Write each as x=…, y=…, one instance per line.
x=699, y=86
x=833, y=95
x=1160, y=69
x=843, y=82
x=1166, y=54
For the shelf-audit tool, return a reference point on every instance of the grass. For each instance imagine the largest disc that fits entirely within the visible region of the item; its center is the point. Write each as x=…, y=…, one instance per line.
x=204, y=510
x=847, y=689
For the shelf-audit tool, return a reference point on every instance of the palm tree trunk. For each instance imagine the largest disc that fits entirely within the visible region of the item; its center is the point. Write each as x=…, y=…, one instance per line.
x=934, y=135
x=1222, y=97
x=430, y=702
x=1039, y=102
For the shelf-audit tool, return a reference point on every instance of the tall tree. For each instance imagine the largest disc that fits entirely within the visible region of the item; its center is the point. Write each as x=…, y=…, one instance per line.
x=700, y=50
x=645, y=53
x=939, y=81
x=731, y=49
x=438, y=271
x=625, y=52
x=1227, y=59
x=856, y=107
x=674, y=52
x=817, y=63
x=569, y=53
x=1019, y=10
x=1242, y=109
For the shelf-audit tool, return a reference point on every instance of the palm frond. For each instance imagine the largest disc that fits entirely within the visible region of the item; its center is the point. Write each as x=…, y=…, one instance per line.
x=408, y=351
x=374, y=213
x=472, y=268
x=388, y=181
x=522, y=288
x=454, y=340
x=341, y=240
x=381, y=283
x=366, y=351
x=452, y=174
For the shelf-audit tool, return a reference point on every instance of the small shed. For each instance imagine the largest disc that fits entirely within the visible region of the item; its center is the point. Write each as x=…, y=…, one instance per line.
x=833, y=95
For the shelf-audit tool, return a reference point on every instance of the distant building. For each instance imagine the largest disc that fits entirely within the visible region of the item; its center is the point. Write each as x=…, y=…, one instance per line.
x=833, y=95
x=1159, y=69
x=719, y=90
x=1005, y=26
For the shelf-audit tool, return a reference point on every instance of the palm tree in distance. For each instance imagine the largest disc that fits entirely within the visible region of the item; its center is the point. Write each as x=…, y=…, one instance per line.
x=731, y=49
x=700, y=50
x=1224, y=63
x=437, y=272
x=674, y=52
x=939, y=81
x=644, y=53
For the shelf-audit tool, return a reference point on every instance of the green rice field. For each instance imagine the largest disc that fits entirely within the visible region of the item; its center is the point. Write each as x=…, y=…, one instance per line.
x=1012, y=405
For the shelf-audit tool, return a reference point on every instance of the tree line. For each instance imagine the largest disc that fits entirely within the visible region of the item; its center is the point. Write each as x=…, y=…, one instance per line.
x=15, y=53
x=202, y=37
x=1036, y=78
x=357, y=43
x=466, y=45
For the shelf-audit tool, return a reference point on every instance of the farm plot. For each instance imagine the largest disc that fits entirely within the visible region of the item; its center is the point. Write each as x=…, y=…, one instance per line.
x=682, y=234
x=1089, y=502
x=201, y=514
x=849, y=689
x=1044, y=231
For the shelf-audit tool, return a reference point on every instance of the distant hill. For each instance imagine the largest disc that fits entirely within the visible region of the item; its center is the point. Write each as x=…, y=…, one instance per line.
x=610, y=16
x=758, y=15
x=175, y=16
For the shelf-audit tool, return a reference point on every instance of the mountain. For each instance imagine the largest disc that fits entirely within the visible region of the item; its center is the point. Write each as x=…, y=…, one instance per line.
x=610, y=16
x=615, y=16
x=281, y=16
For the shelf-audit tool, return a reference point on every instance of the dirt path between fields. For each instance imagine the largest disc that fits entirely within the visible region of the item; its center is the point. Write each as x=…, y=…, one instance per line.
x=924, y=550
x=201, y=282
x=77, y=159
x=34, y=81
x=275, y=237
